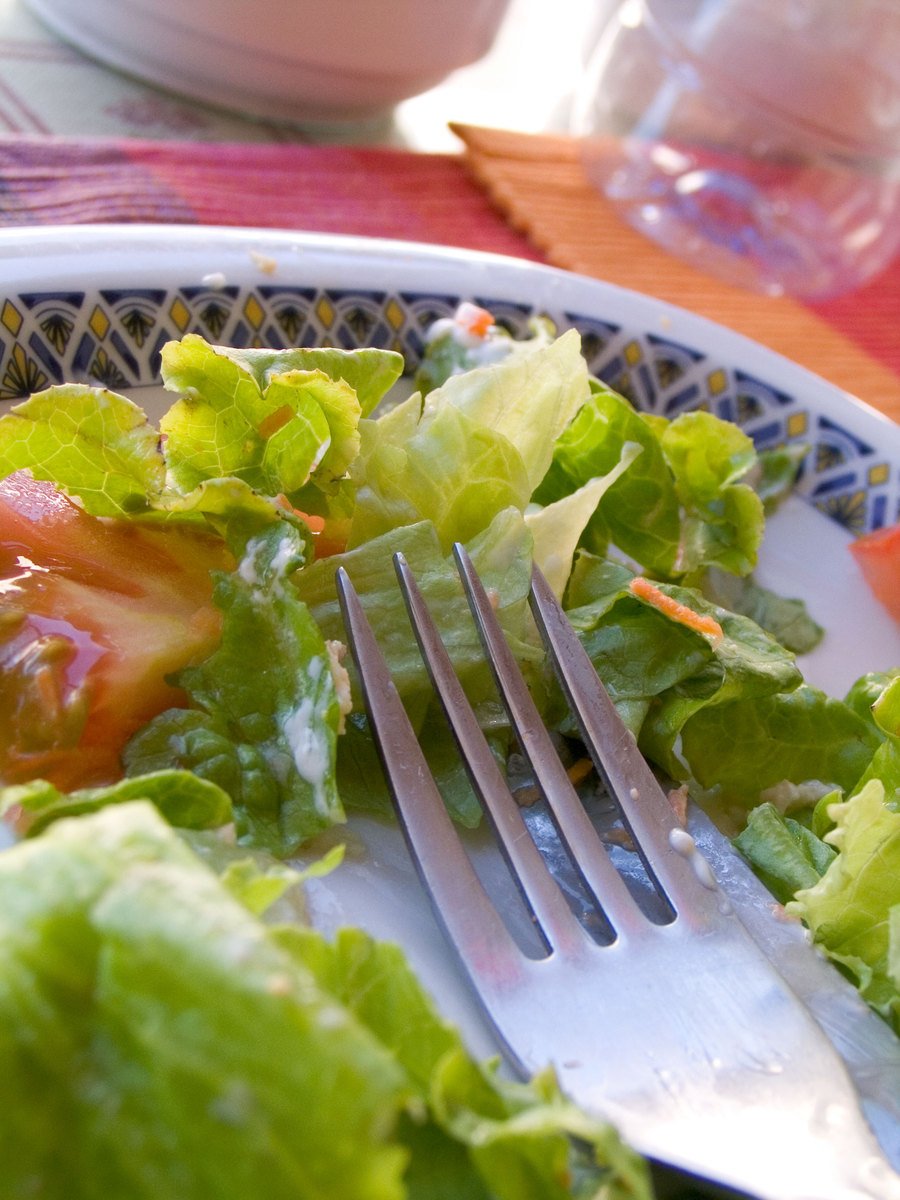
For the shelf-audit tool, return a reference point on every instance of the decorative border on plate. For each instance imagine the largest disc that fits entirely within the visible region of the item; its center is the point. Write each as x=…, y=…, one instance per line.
x=113, y=337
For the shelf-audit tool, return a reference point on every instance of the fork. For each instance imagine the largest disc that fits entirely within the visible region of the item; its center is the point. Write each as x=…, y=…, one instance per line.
x=669, y=1023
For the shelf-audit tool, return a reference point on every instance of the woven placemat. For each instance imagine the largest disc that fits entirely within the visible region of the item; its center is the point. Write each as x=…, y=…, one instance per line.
x=538, y=183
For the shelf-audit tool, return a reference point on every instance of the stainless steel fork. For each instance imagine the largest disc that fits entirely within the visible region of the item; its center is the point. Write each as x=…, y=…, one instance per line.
x=673, y=1026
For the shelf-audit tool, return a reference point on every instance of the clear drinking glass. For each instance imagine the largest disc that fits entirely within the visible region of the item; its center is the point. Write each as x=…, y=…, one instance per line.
x=758, y=139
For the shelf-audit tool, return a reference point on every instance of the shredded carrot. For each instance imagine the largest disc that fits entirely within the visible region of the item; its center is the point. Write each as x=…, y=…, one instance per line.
x=674, y=609
x=475, y=320
x=275, y=421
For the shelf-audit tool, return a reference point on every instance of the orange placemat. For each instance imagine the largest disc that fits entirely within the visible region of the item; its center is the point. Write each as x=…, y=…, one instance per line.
x=538, y=183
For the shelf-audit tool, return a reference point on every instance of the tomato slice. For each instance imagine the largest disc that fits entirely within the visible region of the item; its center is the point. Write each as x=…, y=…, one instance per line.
x=878, y=555
x=94, y=614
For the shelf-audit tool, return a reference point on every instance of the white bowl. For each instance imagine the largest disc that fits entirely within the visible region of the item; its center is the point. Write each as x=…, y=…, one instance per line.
x=296, y=60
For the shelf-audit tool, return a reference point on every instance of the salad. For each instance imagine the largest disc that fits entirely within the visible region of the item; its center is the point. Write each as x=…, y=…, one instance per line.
x=172, y=663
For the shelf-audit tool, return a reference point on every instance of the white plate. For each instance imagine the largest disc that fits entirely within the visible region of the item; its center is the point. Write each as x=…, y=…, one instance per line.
x=96, y=303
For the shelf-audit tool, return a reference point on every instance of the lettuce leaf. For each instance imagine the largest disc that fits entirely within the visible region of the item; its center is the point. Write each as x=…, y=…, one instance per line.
x=265, y=709
x=502, y=556
x=684, y=504
x=93, y=443
x=249, y=426
x=477, y=445
x=853, y=910
x=785, y=854
x=139, y=1061
x=182, y=797
x=740, y=750
x=273, y=427
x=663, y=668
x=837, y=867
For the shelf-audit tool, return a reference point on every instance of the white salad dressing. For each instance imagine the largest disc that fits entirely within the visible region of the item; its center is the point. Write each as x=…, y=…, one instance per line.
x=481, y=350
x=305, y=734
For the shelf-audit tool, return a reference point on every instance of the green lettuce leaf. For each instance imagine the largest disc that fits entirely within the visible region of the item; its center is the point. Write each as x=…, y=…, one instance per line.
x=854, y=909
x=506, y=1140
x=502, y=556
x=249, y=426
x=158, y=1039
x=785, y=854
x=93, y=443
x=475, y=446
x=272, y=435
x=557, y=528
x=682, y=506
x=183, y=798
x=265, y=709
x=159, y=1042
x=740, y=750
x=660, y=671
x=786, y=619
x=455, y=473
x=370, y=372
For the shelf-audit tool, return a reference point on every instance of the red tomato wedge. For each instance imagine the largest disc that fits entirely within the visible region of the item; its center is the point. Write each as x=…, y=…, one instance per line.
x=878, y=555
x=94, y=614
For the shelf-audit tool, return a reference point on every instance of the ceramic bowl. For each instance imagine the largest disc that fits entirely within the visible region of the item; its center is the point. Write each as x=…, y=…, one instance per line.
x=295, y=60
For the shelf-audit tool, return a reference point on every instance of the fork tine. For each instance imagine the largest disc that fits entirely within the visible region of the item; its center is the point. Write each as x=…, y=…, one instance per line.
x=470, y=920
x=646, y=809
x=540, y=891
x=574, y=826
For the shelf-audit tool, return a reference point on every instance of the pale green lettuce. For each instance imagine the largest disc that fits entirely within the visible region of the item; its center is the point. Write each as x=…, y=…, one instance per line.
x=683, y=506
x=836, y=865
x=278, y=420
x=475, y=446
x=183, y=798
x=248, y=427
x=265, y=710
x=138, y=1061
x=854, y=909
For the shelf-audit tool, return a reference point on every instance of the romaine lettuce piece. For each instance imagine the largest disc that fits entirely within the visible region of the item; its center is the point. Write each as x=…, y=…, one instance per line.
x=250, y=426
x=854, y=909
x=740, y=750
x=92, y=443
x=155, y=1040
x=158, y=1039
x=838, y=867
x=477, y=445
x=273, y=429
x=370, y=372
x=265, y=708
x=502, y=556
x=455, y=473
x=182, y=797
x=785, y=854
x=670, y=648
x=786, y=619
x=682, y=506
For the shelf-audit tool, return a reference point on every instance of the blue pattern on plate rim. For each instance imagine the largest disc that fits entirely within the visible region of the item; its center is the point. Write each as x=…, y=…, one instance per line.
x=113, y=337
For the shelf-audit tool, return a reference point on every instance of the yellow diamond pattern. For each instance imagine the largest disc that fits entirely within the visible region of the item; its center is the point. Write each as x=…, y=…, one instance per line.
x=180, y=314
x=797, y=424
x=254, y=311
x=633, y=353
x=325, y=311
x=394, y=314
x=99, y=322
x=880, y=473
x=11, y=317
x=717, y=382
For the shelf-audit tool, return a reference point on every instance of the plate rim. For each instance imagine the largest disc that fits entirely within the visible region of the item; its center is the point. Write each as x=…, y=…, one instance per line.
x=542, y=283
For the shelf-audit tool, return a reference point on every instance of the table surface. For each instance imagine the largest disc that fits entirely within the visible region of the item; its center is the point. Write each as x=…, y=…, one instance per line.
x=524, y=83
x=82, y=142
